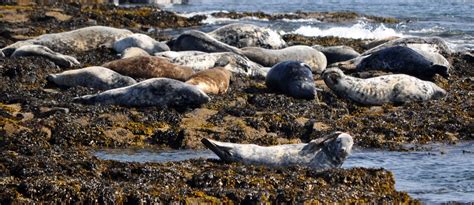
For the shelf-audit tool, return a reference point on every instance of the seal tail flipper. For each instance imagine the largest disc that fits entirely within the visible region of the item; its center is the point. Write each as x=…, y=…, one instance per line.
x=442, y=70
x=221, y=151
x=86, y=99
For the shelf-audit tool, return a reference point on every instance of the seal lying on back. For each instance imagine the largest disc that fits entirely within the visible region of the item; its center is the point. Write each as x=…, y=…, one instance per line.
x=142, y=41
x=149, y=67
x=337, y=53
x=326, y=152
x=398, y=88
x=247, y=35
x=152, y=92
x=212, y=81
x=293, y=78
x=266, y=57
x=194, y=40
x=61, y=60
x=92, y=77
x=79, y=40
x=405, y=60
x=231, y=61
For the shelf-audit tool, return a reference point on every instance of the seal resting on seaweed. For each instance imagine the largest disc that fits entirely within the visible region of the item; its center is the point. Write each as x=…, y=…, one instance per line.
x=92, y=77
x=397, y=88
x=161, y=92
x=212, y=81
x=195, y=40
x=149, y=67
x=267, y=57
x=247, y=35
x=326, y=152
x=293, y=78
x=202, y=61
x=401, y=59
x=61, y=60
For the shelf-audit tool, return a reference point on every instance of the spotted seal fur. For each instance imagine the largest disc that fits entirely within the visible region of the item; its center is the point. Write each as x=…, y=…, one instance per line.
x=248, y=35
x=396, y=89
x=326, y=152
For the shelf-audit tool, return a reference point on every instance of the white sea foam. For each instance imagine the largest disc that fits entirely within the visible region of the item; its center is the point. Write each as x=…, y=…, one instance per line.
x=360, y=30
x=300, y=20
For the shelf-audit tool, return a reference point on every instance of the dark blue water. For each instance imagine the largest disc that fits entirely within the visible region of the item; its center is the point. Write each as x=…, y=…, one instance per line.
x=450, y=19
x=444, y=174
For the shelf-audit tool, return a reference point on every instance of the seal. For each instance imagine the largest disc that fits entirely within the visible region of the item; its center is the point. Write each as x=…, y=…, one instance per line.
x=396, y=89
x=161, y=92
x=92, y=77
x=61, y=60
x=142, y=41
x=133, y=52
x=326, y=152
x=149, y=67
x=401, y=59
x=177, y=54
x=337, y=53
x=194, y=40
x=212, y=81
x=79, y=40
x=235, y=63
x=266, y=57
x=247, y=35
x=437, y=43
x=293, y=78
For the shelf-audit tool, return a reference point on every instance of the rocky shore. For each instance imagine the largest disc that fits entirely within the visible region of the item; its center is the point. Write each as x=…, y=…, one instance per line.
x=47, y=141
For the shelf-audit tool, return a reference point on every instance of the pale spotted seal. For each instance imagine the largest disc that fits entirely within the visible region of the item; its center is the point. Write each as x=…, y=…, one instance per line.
x=142, y=41
x=235, y=63
x=92, y=77
x=177, y=54
x=397, y=88
x=293, y=78
x=149, y=67
x=247, y=35
x=326, y=152
x=337, y=53
x=212, y=81
x=267, y=57
x=38, y=50
x=161, y=92
x=194, y=40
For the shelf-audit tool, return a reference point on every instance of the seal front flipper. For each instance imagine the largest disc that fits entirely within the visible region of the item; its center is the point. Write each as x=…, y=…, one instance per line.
x=221, y=151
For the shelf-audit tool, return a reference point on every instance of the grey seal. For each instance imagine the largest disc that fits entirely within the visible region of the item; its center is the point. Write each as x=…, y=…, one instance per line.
x=149, y=67
x=396, y=89
x=212, y=81
x=400, y=59
x=61, y=60
x=267, y=57
x=195, y=40
x=235, y=63
x=142, y=41
x=247, y=35
x=78, y=40
x=92, y=77
x=161, y=92
x=293, y=78
x=326, y=152
x=337, y=53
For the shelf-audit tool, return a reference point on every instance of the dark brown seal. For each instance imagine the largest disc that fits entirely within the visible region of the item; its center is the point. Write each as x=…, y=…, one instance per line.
x=149, y=67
